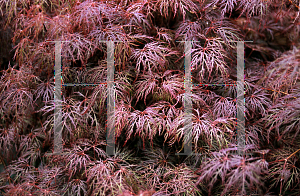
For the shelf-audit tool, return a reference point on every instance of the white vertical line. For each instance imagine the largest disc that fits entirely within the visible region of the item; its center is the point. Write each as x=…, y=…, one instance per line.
x=58, y=144
x=110, y=148
x=240, y=100
x=187, y=100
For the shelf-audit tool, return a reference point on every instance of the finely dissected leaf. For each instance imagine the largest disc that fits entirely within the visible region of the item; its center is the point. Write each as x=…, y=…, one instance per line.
x=209, y=57
x=236, y=172
x=77, y=160
x=45, y=90
x=165, y=35
x=71, y=115
x=176, y=6
x=191, y=30
x=202, y=124
x=89, y=14
x=152, y=57
x=75, y=187
x=163, y=85
x=226, y=6
x=133, y=19
x=77, y=47
x=144, y=123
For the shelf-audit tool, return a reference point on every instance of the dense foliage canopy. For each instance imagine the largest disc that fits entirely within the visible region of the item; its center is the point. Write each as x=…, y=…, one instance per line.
x=149, y=105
